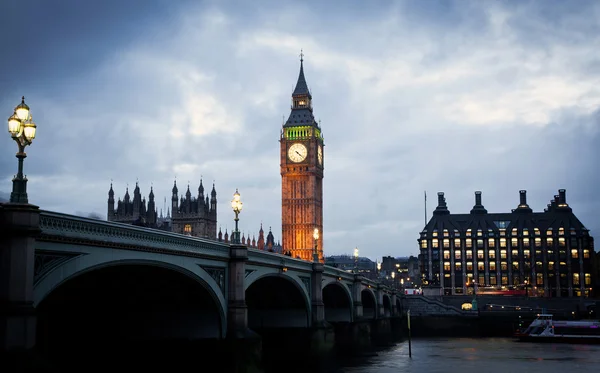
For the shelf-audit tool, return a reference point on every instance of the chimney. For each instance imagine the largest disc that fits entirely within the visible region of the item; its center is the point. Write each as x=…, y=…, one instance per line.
x=441, y=199
x=562, y=198
x=478, y=198
x=441, y=208
x=523, y=197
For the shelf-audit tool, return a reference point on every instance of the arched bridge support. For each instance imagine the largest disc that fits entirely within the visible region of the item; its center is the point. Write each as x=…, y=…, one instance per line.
x=19, y=225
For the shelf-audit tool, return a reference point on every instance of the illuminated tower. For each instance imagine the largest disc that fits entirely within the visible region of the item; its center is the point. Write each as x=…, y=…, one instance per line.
x=301, y=175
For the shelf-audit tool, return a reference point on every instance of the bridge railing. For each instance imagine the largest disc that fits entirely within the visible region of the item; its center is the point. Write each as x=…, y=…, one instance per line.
x=60, y=227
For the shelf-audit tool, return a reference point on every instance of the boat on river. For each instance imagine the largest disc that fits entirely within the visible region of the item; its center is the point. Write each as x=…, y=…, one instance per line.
x=545, y=329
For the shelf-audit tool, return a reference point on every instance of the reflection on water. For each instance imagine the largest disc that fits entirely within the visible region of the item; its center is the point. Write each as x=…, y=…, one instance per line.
x=489, y=355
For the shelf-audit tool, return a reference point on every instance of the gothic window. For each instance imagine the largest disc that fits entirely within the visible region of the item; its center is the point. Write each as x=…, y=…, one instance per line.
x=187, y=229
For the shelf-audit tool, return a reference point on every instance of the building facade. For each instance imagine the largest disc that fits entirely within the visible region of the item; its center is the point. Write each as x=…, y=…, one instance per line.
x=301, y=166
x=193, y=216
x=547, y=253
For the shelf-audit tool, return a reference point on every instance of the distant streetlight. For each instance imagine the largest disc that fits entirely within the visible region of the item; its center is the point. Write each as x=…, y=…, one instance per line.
x=22, y=130
x=316, y=252
x=236, y=205
x=378, y=269
x=356, y=260
x=393, y=279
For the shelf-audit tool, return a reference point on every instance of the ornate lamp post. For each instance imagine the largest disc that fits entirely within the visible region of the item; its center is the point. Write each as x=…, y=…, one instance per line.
x=356, y=260
x=22, y=130
x=393, y=279
x=236, y=204
x=378, y=269
x=316, y=251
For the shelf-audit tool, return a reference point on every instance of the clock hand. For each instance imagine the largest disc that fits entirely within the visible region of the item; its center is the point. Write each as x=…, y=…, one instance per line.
x=298, y=153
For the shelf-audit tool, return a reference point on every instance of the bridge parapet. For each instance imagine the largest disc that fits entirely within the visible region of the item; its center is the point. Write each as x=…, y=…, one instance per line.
x=57, y=227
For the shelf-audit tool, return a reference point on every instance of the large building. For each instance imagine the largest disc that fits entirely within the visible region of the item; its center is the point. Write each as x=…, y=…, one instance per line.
x=192, y=216
x=301, y=169
x=547, y=253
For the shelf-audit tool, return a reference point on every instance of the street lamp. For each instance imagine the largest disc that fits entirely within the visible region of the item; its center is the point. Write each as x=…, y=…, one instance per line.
x=356, y=260
x=236, y=204
x=22, y=130
x=316, y=252
x=393, y=279
x=378, y=269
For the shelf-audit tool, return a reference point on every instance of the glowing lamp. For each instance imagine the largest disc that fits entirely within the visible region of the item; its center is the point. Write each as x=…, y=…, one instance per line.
x=14, y=125
x=22, y=110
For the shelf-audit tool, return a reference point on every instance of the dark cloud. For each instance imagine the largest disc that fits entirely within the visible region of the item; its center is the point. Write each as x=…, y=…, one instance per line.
x=413, y=97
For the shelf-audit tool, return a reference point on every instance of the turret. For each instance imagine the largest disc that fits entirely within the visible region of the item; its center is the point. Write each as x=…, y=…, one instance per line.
x=213, y=200
x=174, y=199
x=261, y=238
x=111, y=203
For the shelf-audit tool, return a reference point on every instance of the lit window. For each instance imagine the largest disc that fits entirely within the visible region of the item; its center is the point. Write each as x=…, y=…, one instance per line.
x=479, y=243
x=515, y=266
x=446, y=254
x=458, y=266
x=457, y=255
x=469, y=254
x=588, y=278
x=479, y=254
x=479, y=233
x=469, y=232
x=469, y=266
x=586, y=254
x=446, y=242
x=515, y=253
x=457, y=242
x=539, y=279
x=525, y=232
x=445, y=233
x=491, y=242
x=492, y=254
x=480, y=266
x=536, y=231
x=423, y=244
x=492, y=280
x=538, y=242
x=513, y=232
x=504, y=267
x=468, y=242
x=561, y=241
x=504, y=280
x=502, y=254
x=187, y=229
x=574, y=254
x=434, y=243
x=561, y=231
x=526, y=253
x=549, y=241
x=575, y=278
x=526, y=242
x=502, y=232
x=503, y=242
x=492, y=266
x=446, y=266
x=514, y=242
x=551, y=266
x=434, y=234
x=549, y=232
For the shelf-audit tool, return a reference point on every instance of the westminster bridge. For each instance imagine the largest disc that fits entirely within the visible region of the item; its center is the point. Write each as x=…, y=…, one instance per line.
x=74, y=277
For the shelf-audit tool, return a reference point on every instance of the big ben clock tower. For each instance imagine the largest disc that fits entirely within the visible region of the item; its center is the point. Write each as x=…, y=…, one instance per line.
x=301, y=176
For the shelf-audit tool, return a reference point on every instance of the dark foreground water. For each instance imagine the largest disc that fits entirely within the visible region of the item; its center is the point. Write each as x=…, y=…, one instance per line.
x=488, y=355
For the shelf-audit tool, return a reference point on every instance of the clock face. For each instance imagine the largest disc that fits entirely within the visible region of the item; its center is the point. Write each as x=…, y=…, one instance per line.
x=297, y=152
x=320, y=154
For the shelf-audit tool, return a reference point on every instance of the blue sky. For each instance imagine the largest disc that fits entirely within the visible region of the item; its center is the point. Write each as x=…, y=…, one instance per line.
x=413, y=96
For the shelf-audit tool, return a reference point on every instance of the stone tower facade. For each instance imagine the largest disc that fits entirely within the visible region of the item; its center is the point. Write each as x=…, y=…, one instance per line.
x=302, y=165
x=194, y=216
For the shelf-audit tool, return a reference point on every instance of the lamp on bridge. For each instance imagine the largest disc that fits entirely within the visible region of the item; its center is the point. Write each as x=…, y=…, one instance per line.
x=378, y=269
x=356, y=260
x=393, y=279
x=236, y=204
x=316, y=251
x=22, y=130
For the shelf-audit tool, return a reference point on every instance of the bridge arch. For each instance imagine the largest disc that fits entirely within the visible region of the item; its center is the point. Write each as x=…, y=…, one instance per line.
x=369, y=303
x=338, y=302
x=277, y=300
x=387, y=305
x=83, y=264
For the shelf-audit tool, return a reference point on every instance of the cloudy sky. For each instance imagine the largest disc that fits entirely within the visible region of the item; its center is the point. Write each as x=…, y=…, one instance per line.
x=413, y=96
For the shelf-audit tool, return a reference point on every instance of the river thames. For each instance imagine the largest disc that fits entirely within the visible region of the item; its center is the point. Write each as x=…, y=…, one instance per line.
x=467, y=355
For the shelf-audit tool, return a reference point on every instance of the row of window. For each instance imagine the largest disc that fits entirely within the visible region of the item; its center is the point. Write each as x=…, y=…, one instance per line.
x=539, y=266
x=539, y=279
x=526, y=242
x=513, y=232
x=514, y=254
